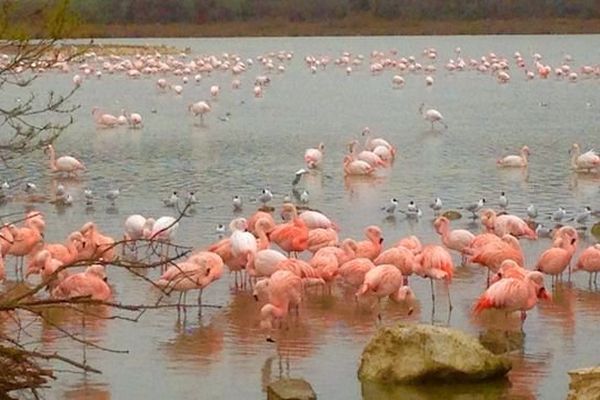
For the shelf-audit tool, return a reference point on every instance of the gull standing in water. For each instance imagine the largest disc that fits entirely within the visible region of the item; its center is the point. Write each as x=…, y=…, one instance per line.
x=266, y=196
x=558, y=215
x=301, y=172
x=172, y=200
x=475, y=207
x=503, y=201
x=436, y=206
x=532, y=212
x=112, y=195
x=237, y=203
x=390, y=208
x=583, y=216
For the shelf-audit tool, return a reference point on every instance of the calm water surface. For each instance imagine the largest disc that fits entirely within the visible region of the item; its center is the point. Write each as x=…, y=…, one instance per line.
x=223, y=354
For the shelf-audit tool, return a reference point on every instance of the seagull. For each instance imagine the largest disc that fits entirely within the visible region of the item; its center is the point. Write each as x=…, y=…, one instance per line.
x=299, y=175
x=30, y=187
x=287, y=198
x=390, y=208
x=583, y=216
x=89, y=196
x=532, y=211
x=237, y=203
x=266, y=196
x=220, y=230
x=5, y=186
x=436, y=206
x=172, y=200
x=542, y=231
x=416, y=213
x=60, y=190
x=112, y=195
x=304, y=197
x=475, y=207
x=503, y=201
x=558, y=215
x=411, y=207
x=67, y=199
x=190, y=199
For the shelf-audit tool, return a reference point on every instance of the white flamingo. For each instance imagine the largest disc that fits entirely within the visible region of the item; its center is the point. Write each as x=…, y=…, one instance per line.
x=66, y=164
x=432, y=115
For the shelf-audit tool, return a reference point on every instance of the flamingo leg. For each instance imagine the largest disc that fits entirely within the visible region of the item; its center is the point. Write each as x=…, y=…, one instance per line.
x=432, y=298
x=449, y=299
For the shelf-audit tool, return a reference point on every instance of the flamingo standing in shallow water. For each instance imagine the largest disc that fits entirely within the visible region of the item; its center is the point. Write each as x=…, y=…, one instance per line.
x=516, y=161
x=383, y=281
x=104, y=120
x=432, y=115
x=434, y=262
x=90, y=283
x=583, y=162
x=589, y=261
x=513, y=294
x=314, y=156
x=371, y=247
x=356, y=167
x=457, y=239
x=66, y=164
x=291, y=236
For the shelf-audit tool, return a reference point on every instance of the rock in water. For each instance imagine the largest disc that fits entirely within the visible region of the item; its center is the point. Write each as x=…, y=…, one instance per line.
x=290, y=389
x=407, y=354
x=585, y=384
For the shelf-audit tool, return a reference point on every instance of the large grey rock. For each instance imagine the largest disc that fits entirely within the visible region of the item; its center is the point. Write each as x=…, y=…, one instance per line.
x=585, y=384
x=407, y=354
x=290, y=389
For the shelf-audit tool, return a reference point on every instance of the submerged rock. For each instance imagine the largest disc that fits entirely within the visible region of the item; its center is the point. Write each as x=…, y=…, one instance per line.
x=585, y=384
x=290, y=389
x=408, y=354
x=494, y=390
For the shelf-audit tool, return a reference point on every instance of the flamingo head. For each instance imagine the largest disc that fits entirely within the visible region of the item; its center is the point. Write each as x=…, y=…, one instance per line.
x=440, y=222
x=526, y=150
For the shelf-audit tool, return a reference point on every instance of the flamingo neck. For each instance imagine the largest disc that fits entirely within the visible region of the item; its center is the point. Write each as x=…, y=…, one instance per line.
x=263, y=238
x=574, y=158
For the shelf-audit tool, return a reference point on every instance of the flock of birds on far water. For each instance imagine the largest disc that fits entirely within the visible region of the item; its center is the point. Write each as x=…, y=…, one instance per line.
x=280, y=262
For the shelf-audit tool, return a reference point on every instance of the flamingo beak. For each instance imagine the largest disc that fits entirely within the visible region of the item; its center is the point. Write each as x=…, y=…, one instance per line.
x=380, y=240
x=105, y=279
x=543, y=294
x=256, y=297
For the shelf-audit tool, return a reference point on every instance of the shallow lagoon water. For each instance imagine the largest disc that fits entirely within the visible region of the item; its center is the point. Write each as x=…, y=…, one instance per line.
x=224, y=354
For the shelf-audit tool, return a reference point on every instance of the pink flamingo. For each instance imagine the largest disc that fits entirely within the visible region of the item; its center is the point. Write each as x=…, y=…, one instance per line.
x=24, y=241
x=583, y=162
x=291, y=236
x=327, y=260
x=200, y=108
x=48, y=270
x=319, y=238
x=517, y=161
x=589, y=261
x=314, y=156
x=98, y=246
x=66, y=164
x=197, y=272
x=302, y=269
x=371, y=247
x=555, y=260
x=495, y=252
x=411, y=243
x=257, y=216
x=503, y=224
x=368, y=156
x=356, y=167
x=66, y=253
x=353, y=272
x=401, y=258
x=434, y=262
x=284, y=290
x=315, y=219
x=91, y=283
x=513, y=294
x=104, y=120
x=381, y=281
x=457, y=239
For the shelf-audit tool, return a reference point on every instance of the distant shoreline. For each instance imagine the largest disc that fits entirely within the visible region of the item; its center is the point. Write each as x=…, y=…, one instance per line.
x=349, y=26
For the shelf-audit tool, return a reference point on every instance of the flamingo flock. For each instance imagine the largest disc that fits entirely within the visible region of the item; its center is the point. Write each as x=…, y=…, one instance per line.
x=306, y=254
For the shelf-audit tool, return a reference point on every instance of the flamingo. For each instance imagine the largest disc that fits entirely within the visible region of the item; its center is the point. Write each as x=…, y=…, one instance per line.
x=411, y=243
x=137, y=227
x=315, y=220
x=503, y=224
x=66, y=253
x=104, y=120
x=434, y=262
x=371, y=247
x=214, y=90
x=91, y=282
x=457, y=239
x=24, y=241
x=383, y=281
x=589, y=260
x=432, y=115
x=284, y=291
x=515, y=161
x=197, y=272
x=199, y=108
x=243, y=243
x=66, y=164
x=314, y=156
x=513, y=294
x=356, y=167
x=401, y=257
x=494, y=252
x=556, y=259
x=368, y=156
x=98, y=246
x=583, y=162
x=321, y=237
x=291, y=236
x=134, y=120
x=353, y=272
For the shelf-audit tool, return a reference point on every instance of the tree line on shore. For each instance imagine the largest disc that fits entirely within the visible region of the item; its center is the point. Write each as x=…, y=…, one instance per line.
x=201, y=11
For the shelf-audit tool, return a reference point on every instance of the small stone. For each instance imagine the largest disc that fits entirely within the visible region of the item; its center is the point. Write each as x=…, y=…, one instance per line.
x=585, y=384
x=290, y=389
